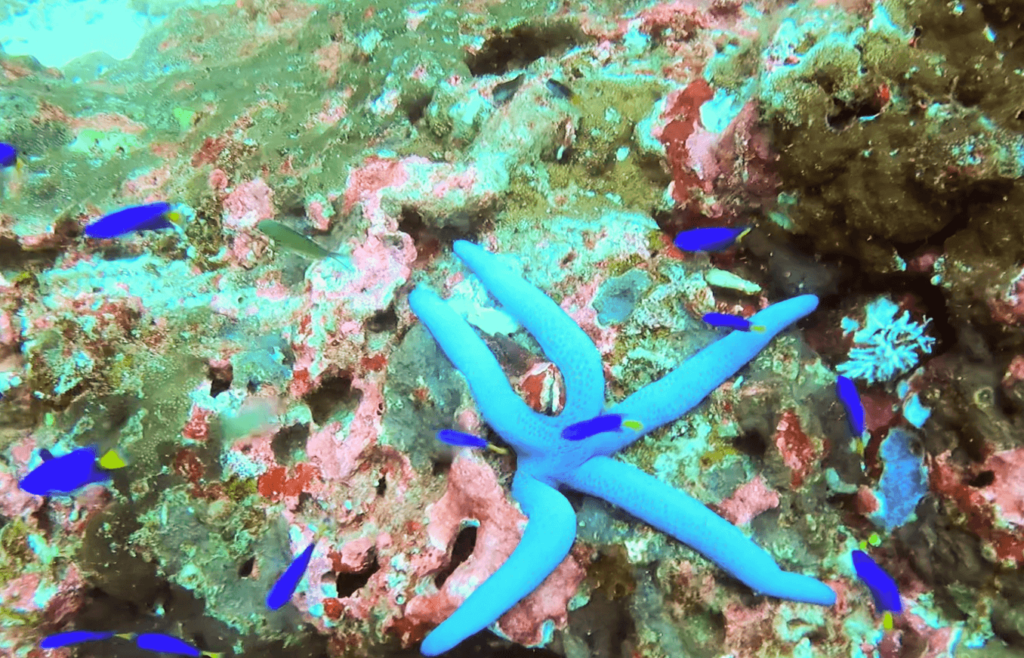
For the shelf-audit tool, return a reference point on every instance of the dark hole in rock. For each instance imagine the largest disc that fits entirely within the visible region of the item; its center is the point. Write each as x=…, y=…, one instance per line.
x=385, y=320
x=461, y=550
x=417, y=107
x=288, y=441
x=333, y=393
x=983, y=479
x=751, y=443
x=349, y=583
x=440, y=465
x=220, y=379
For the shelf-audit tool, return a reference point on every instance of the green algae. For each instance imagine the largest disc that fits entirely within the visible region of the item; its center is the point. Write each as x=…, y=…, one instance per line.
x=15, y=552
x=612, y=573
x=10, y=617
x=238, y=489
x=947, y=146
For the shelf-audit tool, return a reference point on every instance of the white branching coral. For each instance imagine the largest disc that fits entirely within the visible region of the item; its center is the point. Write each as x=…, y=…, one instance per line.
x=887, y=345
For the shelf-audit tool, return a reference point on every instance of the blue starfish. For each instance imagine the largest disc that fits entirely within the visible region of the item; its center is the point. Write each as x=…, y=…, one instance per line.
x=546, y=461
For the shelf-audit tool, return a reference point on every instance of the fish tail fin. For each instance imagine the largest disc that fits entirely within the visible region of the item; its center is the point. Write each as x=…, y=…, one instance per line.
x=743, y=233
x=176, y=218
x=759, y=328
x=17, y=177
x=887, y=620
x=498, y=450
x=112, y=460
x=125, y=636
x=634, y=425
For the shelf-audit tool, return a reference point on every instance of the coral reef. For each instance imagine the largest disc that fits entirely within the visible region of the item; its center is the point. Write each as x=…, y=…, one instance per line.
x=265, y=400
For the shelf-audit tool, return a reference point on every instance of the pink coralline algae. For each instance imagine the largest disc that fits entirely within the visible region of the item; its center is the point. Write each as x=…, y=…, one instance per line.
x=1006, y=492
x=14, y=502
x=994, y=515
x=707, y=167
x=326, y=338
x=248, y=204
x=682, y=116
x=748, y=501
x=746, y=627
x=245, y=206
x=798, y=451
x=1007, y=303
x=474, y=495
x=338, y=454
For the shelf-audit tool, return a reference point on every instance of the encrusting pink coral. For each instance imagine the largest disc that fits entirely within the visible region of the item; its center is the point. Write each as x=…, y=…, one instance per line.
x=474, y=494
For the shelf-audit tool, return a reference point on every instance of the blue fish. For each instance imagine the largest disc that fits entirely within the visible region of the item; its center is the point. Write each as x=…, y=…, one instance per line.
x=846, y=390
x=65, y=474
x=285, y=586
x=68, y=638
x=718, y=238
x=461, y=439
x=731, y=322
x=883, y=588
x=161, y=643
x=8, y=156
x=597, y=425
x=148, y=217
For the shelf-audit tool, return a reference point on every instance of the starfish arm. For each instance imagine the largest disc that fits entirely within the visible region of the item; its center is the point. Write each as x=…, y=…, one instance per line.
x=498, y=402
x=676, y=393
x=562, y=340
x=549, y=535
x=691, y=522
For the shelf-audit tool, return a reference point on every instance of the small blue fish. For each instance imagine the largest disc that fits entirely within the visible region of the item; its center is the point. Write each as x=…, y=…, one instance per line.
x=597, y=425
x=68, y=638
x=285, y=586
x=846, y=390
x=8, y=156
x=463, y=440
x=65, y=474
x=883, y=588
x=731, y=322
x=147, y=217
x=717, y=238
x=161, y=643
